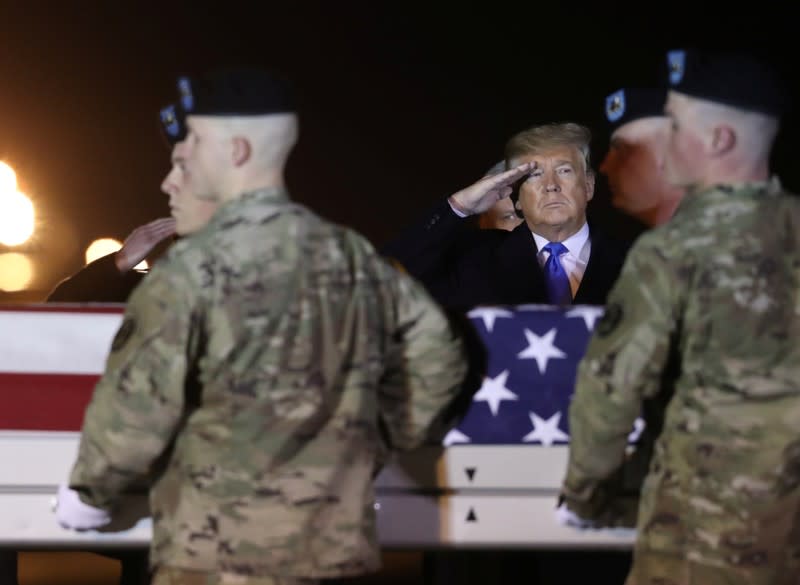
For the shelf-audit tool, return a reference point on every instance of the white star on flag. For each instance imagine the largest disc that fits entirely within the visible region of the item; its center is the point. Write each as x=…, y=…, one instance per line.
x=488, y=316
x=455, y=437
x=545, y=431
x=493, y=391
x=541, y=349
x=590, y=315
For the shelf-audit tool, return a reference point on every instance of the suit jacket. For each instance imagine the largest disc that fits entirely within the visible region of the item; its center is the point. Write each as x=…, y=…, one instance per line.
x=97, y=282
x=464, y=267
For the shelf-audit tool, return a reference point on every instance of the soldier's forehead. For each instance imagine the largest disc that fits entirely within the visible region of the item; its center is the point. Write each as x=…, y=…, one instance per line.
x=640, y=127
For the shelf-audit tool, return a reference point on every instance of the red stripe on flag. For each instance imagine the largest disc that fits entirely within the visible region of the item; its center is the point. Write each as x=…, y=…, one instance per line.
x=64, y=308
x=44, y=402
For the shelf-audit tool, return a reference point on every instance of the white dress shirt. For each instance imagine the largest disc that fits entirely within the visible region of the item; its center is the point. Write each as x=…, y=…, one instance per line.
x=579, y=247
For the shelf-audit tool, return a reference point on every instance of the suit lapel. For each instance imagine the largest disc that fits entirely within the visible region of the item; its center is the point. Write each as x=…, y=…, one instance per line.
x=601, y=272
x=517, y=269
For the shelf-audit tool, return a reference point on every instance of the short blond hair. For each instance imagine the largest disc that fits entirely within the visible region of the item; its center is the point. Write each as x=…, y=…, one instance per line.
x=548, y=136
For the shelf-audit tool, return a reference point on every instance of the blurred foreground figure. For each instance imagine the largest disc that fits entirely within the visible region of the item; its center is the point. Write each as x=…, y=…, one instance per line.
x=717, y=288
x=263, y=368
x=112, y=278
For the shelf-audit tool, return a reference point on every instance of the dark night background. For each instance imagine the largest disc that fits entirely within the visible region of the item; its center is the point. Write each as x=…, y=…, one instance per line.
x=401, y=103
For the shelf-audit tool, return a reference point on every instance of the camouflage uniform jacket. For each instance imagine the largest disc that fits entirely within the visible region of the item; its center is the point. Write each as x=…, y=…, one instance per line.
x=259, y=370
x=718, y=286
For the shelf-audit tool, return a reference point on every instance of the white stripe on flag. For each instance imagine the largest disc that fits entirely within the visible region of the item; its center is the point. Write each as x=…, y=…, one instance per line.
x=45, y=342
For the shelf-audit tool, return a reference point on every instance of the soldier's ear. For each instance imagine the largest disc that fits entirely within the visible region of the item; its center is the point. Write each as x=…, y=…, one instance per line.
x=241, y=150
x=723, y=139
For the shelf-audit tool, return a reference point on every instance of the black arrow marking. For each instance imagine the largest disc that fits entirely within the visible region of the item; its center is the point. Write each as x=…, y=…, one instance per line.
x=471, y=516
x=470, y=471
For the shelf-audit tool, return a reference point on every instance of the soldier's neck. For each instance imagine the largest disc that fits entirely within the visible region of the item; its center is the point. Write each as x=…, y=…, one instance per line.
x=267, y=179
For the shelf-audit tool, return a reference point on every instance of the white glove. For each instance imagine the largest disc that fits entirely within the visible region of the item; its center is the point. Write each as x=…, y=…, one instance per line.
x=72, y=513
x=567, y=517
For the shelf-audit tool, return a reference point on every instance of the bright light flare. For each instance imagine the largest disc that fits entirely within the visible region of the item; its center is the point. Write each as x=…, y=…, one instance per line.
x=106, y=246
x=8, y=178
x=101, y=247
x=16, y=218
x=16, y=271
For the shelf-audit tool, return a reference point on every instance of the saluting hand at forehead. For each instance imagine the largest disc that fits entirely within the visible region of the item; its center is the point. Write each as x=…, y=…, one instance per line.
x=480, y=196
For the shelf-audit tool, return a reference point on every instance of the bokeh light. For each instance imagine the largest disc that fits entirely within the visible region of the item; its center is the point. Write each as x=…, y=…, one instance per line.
x=8, y=178
x=16, y=271
x=101, y=247
x=16, y=218
x=106, y=246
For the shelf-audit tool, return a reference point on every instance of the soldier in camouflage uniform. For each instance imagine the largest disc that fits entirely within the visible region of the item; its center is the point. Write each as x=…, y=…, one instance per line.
x=261, y=370
x=718, y=288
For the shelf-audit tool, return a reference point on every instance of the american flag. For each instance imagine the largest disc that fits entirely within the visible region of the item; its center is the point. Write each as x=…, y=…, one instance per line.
x=533, y=353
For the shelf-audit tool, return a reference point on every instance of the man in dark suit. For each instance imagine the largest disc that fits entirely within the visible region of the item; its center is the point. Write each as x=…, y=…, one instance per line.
x=551, y=180
x=111, y=278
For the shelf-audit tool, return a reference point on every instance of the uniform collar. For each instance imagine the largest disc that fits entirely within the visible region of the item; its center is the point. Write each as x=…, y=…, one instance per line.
x=701, y=197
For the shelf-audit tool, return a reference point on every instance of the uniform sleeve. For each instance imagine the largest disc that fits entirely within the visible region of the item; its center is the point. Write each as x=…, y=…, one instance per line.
x=138, y=403
x=624, y=364
x=425, y=366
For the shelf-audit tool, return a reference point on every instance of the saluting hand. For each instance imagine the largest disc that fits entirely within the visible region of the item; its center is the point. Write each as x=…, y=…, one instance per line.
x=480, y=196
x=141, y=241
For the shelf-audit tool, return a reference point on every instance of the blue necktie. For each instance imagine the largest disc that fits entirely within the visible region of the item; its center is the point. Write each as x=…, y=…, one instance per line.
x=556, y=277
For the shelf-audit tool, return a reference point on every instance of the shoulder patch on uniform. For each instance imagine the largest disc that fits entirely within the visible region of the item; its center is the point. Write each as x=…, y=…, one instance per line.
x=610, y=320
x=123, y=334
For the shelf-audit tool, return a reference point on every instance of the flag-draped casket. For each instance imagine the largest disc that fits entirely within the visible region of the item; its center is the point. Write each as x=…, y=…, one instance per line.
x=493, y=482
